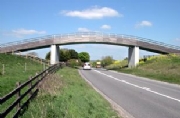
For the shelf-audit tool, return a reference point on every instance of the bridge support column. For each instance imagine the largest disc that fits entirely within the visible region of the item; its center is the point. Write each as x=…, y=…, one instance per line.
x=54, y=54
x=133, y=56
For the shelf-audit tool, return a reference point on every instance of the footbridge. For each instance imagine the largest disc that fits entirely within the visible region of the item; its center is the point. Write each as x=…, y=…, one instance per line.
x=54, y=41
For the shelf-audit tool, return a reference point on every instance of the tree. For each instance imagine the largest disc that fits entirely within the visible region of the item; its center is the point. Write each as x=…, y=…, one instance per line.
x=48, y=56
x=64, y=55
x=73, y=54
x=107, y=60
x=84, y=56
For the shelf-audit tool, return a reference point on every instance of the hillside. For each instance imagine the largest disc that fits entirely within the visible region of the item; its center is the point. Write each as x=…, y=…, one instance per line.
x=16, y=68
x=163, y=67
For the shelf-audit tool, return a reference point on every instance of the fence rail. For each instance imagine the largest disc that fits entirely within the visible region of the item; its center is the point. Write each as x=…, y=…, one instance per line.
x=32, y=90
x=40, y=60
x=94, y=34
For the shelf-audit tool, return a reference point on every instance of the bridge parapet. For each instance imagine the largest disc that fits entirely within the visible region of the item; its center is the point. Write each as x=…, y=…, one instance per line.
x=90, y=37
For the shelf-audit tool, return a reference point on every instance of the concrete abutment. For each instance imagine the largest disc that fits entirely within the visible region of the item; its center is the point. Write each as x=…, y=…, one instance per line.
x=133, y=56
x=54, y=57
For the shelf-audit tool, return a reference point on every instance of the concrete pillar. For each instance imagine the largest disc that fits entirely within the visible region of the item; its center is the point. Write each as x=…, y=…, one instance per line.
x=54, y=54
x=133, y=56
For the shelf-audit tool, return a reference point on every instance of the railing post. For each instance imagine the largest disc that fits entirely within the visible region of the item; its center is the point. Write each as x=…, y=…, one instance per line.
x=46, y=72
x=3, y=70
x=37, y=79
x=43, y=75
x=18, y=95
x=44, y=66
x=30, y=85
x=25, y=67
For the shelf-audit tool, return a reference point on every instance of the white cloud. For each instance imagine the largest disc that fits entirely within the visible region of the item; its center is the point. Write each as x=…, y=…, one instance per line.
x=93, y=13
x=105, y=27
x=82, y=29
x=21, y=32
x=143, y=24
x=177, y=39
x=27, y=32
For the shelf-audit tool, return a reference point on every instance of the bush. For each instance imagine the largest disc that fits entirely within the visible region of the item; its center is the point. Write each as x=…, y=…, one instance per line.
x=107, y=60
x=119, y=65
x=72, y=63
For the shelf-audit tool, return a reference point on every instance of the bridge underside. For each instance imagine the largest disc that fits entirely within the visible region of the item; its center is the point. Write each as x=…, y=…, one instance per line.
x=133, y=55
x=134, y=44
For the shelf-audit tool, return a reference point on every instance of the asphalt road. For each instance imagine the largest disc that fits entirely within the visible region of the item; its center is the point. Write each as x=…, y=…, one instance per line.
x=140, y=97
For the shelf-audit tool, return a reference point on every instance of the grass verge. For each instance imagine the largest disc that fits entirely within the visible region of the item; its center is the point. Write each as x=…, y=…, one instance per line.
x=163, y=68
x=67, y=95
x=14, y=68
x=15, y=71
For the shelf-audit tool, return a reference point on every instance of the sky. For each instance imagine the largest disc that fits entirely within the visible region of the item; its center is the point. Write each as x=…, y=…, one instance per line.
x=158, y=20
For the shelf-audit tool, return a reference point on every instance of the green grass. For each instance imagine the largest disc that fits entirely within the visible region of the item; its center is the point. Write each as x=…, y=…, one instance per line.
x=14, y=71
x=163, y=67
x=67, y=95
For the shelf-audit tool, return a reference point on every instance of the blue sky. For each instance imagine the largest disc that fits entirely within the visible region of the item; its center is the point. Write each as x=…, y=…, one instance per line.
x=153, y=19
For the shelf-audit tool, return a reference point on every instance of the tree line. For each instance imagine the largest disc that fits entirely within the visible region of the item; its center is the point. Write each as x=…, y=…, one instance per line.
x=69, y=54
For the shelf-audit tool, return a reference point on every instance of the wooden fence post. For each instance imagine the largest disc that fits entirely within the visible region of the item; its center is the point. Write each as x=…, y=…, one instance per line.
x=18, y=96
x=47, y=72
x=44, y=66
x=25, y=67
x=30, y=85
x=37, y=79
x=3, y=69
x=20, y=53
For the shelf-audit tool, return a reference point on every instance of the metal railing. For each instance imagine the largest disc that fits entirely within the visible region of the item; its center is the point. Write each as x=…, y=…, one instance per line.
x=90, y=34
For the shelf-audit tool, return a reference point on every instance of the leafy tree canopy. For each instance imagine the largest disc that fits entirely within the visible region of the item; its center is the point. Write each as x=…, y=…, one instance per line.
x=65, y=55
x=107, y=60
x=84, y=56
x=73, y=54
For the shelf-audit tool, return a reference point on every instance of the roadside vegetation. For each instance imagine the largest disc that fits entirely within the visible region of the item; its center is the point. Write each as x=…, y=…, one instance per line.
x=13, y=69
x=161, y=67
x=67, y=95
x=117, y=65
x=70, y=54
x=16, y=69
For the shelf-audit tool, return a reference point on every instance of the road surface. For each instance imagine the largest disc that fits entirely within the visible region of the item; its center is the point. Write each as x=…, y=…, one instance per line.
x=140, y=97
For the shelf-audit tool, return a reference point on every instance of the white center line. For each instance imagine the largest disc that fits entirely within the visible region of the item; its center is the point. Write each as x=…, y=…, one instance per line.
x=144, y=88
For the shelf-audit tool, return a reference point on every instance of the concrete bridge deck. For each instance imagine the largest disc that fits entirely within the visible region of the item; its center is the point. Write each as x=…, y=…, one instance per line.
x=134, y=43
x=92, y=38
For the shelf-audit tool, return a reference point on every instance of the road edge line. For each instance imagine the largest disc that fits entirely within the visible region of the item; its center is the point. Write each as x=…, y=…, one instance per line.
x=121, y=112
x=147, y=79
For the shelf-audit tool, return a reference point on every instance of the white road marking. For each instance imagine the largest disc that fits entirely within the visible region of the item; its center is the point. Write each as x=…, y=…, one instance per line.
x=144, y=88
